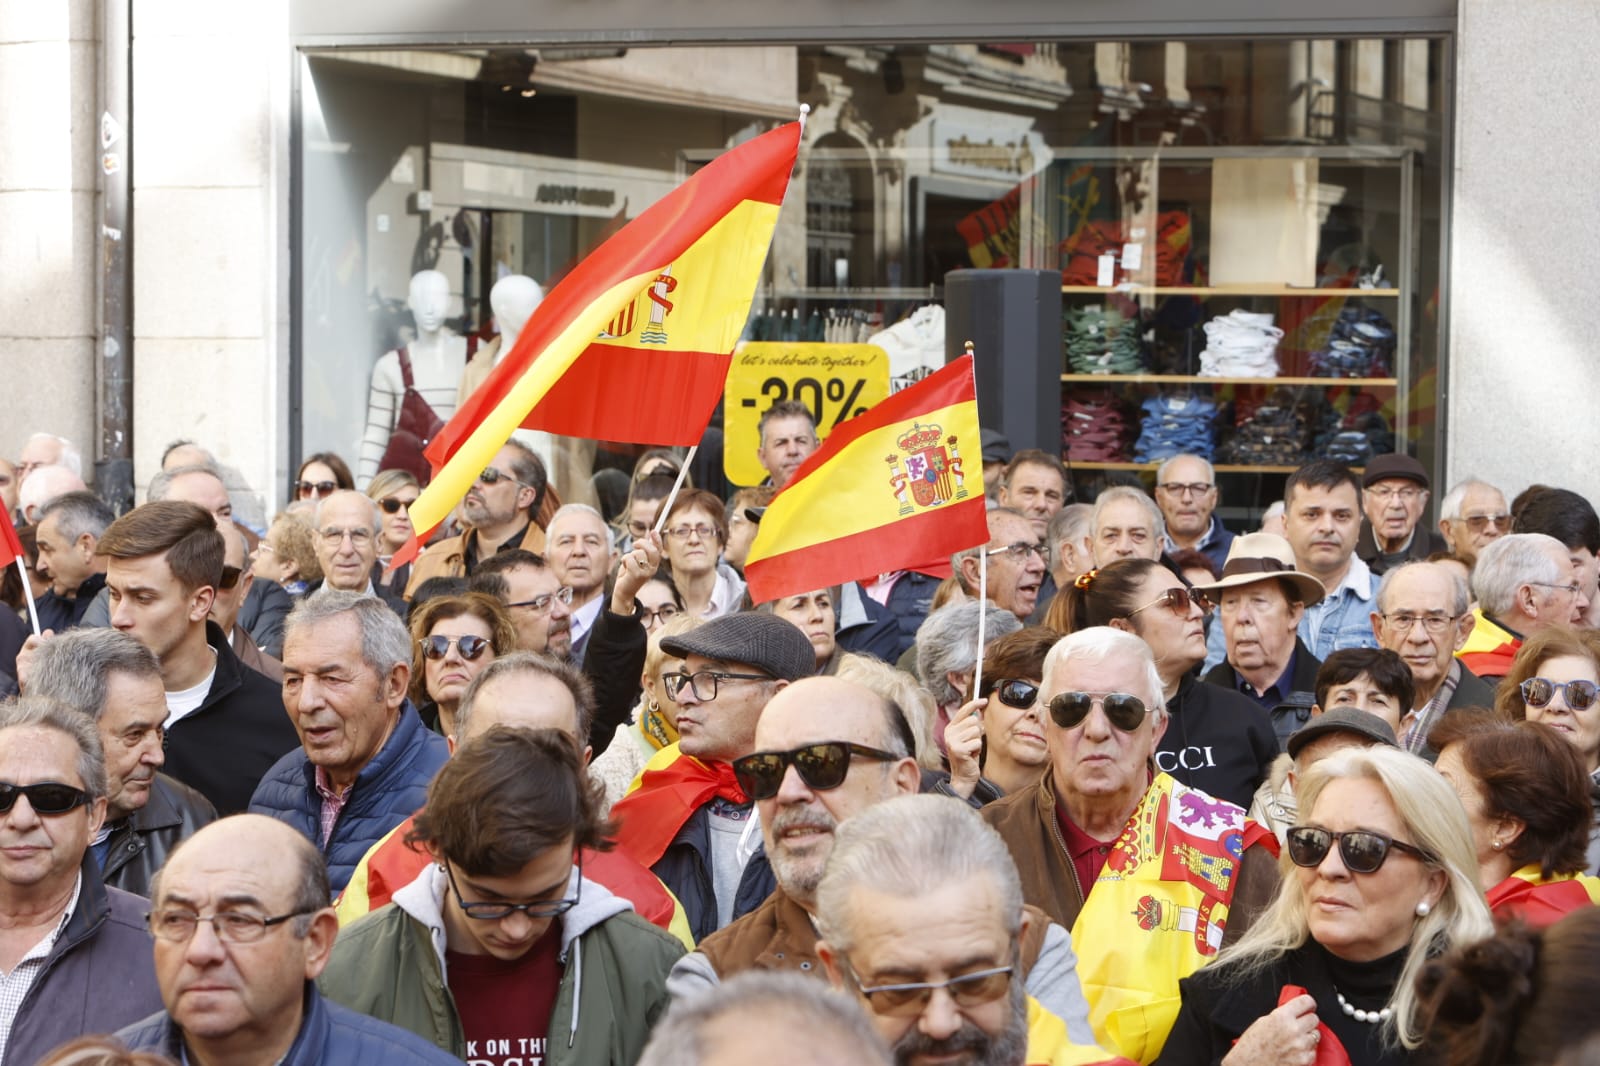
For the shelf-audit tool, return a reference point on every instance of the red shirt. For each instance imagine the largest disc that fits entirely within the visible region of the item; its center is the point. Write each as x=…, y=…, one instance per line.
x=1088, y=854
x=505, y=1006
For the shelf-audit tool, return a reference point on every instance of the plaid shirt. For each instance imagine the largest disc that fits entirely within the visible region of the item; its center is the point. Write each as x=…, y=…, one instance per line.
x=14, y=986
x=332, y=803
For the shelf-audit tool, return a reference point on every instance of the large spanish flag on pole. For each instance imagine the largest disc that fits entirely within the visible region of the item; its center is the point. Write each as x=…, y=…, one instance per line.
x=636, y=342
x=888, y=490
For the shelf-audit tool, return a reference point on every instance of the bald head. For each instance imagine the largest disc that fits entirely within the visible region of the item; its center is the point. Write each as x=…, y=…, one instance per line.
x=201, y=486
x=243, y=839
x=815, y=709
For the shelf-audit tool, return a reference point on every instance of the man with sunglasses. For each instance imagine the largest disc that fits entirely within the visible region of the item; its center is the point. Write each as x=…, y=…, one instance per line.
x=73, y=955
x=1149, y=875
x=502, y=950
x=1472, y=515
x=499, y=512
x=1524, y=583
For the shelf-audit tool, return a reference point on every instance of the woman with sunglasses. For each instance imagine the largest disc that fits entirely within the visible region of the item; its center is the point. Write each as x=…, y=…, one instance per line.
x=321, y=474
x=996, y=741
x=1383, y=879
x=1555, y=679
x=393, y=491
x=1217, y=740
x=454, y=637
x=655, y=720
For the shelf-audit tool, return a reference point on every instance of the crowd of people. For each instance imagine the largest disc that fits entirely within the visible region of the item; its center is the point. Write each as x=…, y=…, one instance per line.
x=557, y=792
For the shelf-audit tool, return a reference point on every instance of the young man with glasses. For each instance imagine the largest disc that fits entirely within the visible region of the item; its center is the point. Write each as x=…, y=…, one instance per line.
x=1395, y=490
x=1186, y=492
x=500, y=512
x=502, y=950
x=1149, y=875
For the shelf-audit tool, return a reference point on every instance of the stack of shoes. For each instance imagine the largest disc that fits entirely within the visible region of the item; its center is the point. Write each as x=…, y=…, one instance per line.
x=1241, y=344
x=1360, y=345
x=1099, y=340
x=1095, y=427
x=1176, y=425
x=1273, y=432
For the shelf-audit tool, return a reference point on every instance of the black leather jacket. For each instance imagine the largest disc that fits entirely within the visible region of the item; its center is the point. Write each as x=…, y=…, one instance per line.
x=141, y=842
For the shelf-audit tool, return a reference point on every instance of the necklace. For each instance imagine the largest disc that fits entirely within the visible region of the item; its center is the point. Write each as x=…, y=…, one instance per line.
x=1371, y=1017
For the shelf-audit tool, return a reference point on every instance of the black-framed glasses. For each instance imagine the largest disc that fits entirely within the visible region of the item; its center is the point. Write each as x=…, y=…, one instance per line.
x=469, y=645
x=1123, y=709
x=1177, y=600
x=494, y=912
x=1579, y=695
x=703, y=683
x=394, y=504
x=1480, y=522
x=45, y=797
x=1361, y=850
x=541, y=603
x=821, y=766
x=1434, y=623
x=660, y=615
x=1017, y=551
x=1186, y=488
x=230, y=577
x=231, y=927
x=910, y=999
x=494, y=475
x=308, y=489
x=1012, y=691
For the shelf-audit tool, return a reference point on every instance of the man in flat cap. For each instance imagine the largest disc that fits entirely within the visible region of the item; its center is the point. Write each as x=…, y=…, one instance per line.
x=1394, y=495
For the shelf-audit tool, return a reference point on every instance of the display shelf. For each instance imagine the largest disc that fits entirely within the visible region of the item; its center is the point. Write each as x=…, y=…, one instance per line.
x=1221, y=468
x=1220, y=290
x=1195, y=379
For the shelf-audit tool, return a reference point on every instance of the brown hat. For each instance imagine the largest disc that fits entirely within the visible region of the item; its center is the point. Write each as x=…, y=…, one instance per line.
x=1394, y=465
x=1256, y=557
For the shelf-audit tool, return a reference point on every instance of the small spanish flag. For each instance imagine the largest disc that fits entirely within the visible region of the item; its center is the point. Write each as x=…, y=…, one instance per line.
x=899, y=487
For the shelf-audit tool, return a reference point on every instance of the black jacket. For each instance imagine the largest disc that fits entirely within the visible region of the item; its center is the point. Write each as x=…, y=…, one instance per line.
x=1218, y=741
x=1424, y=542
x=141, y=842
x=262, y=614
x=613, y=661
x=59, y=613
x=685, y=868
x=228, y=744
x=1294, y=710
x=1471, y=691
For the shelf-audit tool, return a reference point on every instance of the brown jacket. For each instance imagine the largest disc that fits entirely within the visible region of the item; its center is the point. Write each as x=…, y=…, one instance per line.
x=253, y=657
x=448, y=557
x=1026, y=821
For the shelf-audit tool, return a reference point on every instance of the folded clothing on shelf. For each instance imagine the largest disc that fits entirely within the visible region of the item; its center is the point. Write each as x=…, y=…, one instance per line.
x=1081, y=251
x=1360, y=345
x=1176, y=425
x=1271, y=432
x=1099, y=340
x=1095, y=427
x=1356, y=436
x=1241, y=344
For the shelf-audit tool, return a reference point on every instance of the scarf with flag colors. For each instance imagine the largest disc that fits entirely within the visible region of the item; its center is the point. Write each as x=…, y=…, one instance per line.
x=670, y=788
x=635, y=343
x=899, y=487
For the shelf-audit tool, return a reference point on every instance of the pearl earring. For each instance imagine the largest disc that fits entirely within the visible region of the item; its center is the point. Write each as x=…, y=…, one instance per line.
x=1423, y=909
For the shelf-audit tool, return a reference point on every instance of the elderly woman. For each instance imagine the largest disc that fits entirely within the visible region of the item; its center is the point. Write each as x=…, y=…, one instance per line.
x=1555, y=679
x=1217, y=740
x=655, y=720
x=1527, y=800
x=393, y=491
x=947, y=653
x=693, y=536
x=288, y=554
x=815, y=615
x=996, y=742
x=454, y=638
x=1385, y=877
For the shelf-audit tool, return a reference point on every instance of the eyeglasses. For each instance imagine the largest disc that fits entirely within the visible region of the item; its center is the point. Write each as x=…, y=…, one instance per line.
x=493, y=476
x=1361, y=850
x=1186, y=488
x=1480, y=522
x=821, y=766
x=393, y=504
x=307, y=489
x=1578, y=695
x=702, y=680
x=232, y=927
x=1017, y=551
x=703, y=531
x=494, y=912
x=1177, y=600
x=1012, y=691
x=1124, y=710
x=1570, y=588
x=1406, y=494
x=663, y=614
x=1433, y=623
x=333, y=536
x=541, y=604
x=46, y=797
x=909, y=1000
x=470, y=646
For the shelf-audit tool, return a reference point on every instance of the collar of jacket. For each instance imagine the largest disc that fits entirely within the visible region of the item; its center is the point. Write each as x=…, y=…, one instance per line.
x=87, y=916
x=227, y=677
x=403, y=742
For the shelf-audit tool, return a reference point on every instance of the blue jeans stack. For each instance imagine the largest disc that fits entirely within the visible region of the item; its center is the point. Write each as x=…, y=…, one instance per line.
x=1176, y=425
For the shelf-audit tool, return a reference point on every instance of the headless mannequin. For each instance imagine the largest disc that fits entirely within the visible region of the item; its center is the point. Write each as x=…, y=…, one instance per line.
x=437, y=356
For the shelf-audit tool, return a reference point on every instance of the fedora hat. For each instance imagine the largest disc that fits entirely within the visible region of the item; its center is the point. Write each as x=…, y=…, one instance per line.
x=1263, y=557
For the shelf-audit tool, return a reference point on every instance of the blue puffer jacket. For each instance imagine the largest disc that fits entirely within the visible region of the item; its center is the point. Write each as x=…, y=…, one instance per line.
x=389, y=789
x=328, y=1033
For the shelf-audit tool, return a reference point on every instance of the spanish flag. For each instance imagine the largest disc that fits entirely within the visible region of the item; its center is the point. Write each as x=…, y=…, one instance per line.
x=888, y=490
x=636, y=342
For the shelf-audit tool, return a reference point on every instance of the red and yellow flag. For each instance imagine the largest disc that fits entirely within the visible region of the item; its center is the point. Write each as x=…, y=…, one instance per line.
x=635, y=343
x=10, y=543
x=888, y=490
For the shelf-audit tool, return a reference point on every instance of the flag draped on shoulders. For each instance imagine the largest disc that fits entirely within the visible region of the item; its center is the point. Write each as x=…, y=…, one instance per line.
x=670, y=788
x=636, y=342
x=888, y=490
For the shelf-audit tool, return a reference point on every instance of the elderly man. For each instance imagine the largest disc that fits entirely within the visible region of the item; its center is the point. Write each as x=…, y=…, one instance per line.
x=1261, y=598
x=499, y=510
x=1149, y=875
x=540, y=606
x=1395, y=490
x=1035, y=483
x=580, y=553
x=47, y=449
x=1571, y=519
x=241, y=990
x=1322, y=520
x=1015, y=559
x=345, y=529
x=947, y=653
x=1471, y=515
x=69, y=531
x=1067, y=537
x=1126, y=524
x=225, y=724
x=367, y=758
x=74, y=954
x=116, y=682
x=920, y=897
x=45, y=484
x=1524, y=582
x=1424, y=615
x=788, y=435
x=1186, y=492
x=688, y=819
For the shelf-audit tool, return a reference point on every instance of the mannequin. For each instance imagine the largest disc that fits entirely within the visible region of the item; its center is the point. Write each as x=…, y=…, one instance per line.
x=436, y=357
x=570, y=460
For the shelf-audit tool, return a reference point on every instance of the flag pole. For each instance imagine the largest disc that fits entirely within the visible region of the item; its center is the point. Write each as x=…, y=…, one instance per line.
x=983, y=574
x=27, y=590
x=683, y=472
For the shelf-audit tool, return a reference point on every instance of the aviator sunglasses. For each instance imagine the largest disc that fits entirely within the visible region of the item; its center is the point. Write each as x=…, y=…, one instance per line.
x=1361, y=850
x=1012, y=691
x=821, y=766
x=1124, y=710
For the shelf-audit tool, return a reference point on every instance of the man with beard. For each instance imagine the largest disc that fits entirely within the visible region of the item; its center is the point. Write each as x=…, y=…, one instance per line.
x=539, y=605
x=1015, y=558
x=919, y=898
x=500, y=509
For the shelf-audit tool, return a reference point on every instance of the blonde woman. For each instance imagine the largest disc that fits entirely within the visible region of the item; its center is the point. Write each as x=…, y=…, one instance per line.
x=393, y=491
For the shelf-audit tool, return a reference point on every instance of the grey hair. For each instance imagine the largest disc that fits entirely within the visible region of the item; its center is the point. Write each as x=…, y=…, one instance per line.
x=834, y=1027
x=978, y=551
x=913, y=846
x=1100, y=644
x=583, y=508
x=70, y=457
x=1211, y=471
x=1072, y=522
x=1508, y=563
x=947, y=641
x=41, y=712
x=75, y=668
x=161, y=484
x=377, y=511
x=527, y=662
x=78, y=513
x=1158, y=524
x=384, y=639
x=1450, y=506
x=1460, y=597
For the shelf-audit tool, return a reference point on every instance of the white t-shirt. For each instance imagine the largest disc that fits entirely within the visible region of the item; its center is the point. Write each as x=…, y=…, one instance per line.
x=185, y=701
